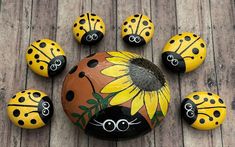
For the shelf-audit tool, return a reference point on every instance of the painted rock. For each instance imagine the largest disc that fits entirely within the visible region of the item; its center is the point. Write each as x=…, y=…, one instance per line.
x=184, y=52
x=46, y=58
x=30, y=109
x=89, y=29
x=203, y=110
x=115, y=95
x=137, y=30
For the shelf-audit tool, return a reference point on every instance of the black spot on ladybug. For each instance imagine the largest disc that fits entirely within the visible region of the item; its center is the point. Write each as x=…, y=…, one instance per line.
x=101, y=27
x=14, y=97
x=221, y=101
x=41, y=67
x=16, y=112
x=202, y=121
x=180, y=34
x=201, y=57
x=205, y=99
x=209, y=93
x=147, y=33
x=81, y=28
x=125, y=23
x=98, y=20
x=82, y=15
x=77, y=34
x=81, y=74
x=21, y=122
x=37, y=61
x=82, y=21
x=58, y=50
x=172, y=41
x=92, y=14
x=196, y=97
x=216, y=113
x=69, y=95
x=29, y=92
x=33, y=121
x=36, y=94
x=216, y=123
x=133, y=20
x=30, y=51
x=145, y=23
x=42, y=45
x=36, y=56
x=212, y=101
x=136, y=15
x=75, y=25
x=92, y=19
x=21, y=99
x=30, y=62
x=150, y=20
x=92, y=63
x=23, y=91
x=194, y=35
x=211, y=118
x=73, y=69
x=195, y=51
x=52, y=43
x=187, y=38
x=125, y=30
x=38, y=40
x=202, y=45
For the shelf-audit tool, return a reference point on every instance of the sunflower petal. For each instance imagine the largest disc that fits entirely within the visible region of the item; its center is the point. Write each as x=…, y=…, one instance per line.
x=118, y=60
x=163, y=103
x=117, y=85
x=132, y=55
x=151, y=103
x=137, y=103
x=119, y=54
x=115, y=71
x=166, y=94
x=124, y=95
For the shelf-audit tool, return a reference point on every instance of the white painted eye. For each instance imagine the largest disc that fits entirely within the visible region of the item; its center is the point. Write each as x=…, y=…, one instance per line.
x=109, y=125
x=94, y=36
x=45, y=112
x=188, y=106
x=122, y=125
x=190, y=114
x=137, y=39
x=131, y=38
x=89, y=38
x=170, y=58
x=174, y=62
x=58, y=62
x=53, y=67
x=45, y=105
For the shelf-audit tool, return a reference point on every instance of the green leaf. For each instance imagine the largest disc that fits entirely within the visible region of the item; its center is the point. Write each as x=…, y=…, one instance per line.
x=78, y=124
x=97, y=96
x=89, y=114
x=83, y=121
x=84, y=108
x=111, y=95
x=91, y=101
x=159, y=114
x=76, y=115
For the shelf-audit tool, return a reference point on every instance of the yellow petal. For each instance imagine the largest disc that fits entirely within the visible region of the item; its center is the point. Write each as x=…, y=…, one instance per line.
x=163, y=103
x=151, y=103
x=137, y=103
x=131, y=55
x=115, y=71
x=118, y=60
x=124, y=95
x=119, y=54
x=117, y=85
x=166, y=94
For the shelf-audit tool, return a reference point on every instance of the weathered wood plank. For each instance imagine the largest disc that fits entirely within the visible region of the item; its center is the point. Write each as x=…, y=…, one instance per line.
x=223, y=28
x=194, y=16
x=14, y=30
x=43, y=25
x=63, y=132
x=169, y=133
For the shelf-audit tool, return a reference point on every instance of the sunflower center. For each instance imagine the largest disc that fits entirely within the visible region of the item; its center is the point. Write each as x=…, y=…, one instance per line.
x=145, y=75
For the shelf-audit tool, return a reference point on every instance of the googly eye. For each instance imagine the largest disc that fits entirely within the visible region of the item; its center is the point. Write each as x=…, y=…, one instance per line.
x=58, y=62
x=45, y=112
x=53, y=67
x=89, y=38
x=170, y=58
x=188, y=106
x=137, y=39
x=94, y=36
x=109, y=125
x=131, y=38
x=190, y=114
x=174, y=62
x=45, y=105
x=122, y=125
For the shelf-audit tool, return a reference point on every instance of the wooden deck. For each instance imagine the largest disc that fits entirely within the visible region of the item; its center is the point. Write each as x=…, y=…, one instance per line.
x=24, y=21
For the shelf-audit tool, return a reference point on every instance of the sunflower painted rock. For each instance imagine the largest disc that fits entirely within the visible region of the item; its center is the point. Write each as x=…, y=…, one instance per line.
x=30, y=109
x=203, y=110
x=115, y=95
x=184, y=52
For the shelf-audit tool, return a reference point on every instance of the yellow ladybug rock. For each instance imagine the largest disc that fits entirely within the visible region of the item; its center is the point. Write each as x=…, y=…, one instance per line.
x=184, y=52
x=30, y=109
x=89, y=29
x=137, y=30
x=203, y=110
x=46, y=58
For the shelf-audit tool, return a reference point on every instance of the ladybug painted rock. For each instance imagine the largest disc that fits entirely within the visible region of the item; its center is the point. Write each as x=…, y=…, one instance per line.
x=89, y=29
x=203, y=110
x=137, y=30
x=30, y=109
x=46, y=58
x=115, y=95
x=184, y=52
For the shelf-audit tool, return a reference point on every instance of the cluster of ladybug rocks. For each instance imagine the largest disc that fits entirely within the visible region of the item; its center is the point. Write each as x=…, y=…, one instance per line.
x=116, y=95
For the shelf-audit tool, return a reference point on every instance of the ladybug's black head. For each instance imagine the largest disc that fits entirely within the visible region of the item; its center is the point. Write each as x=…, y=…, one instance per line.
x=92, y=37
x=116, y=123
x=45, y=109
x=173, y=61
x=56, y=65
x=135, y=40
x=189, y=111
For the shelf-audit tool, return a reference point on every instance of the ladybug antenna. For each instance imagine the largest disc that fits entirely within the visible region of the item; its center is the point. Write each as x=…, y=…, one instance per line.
x=189, y=46
x=206, y=115
x=188, y=57
x=42, y=61
x=82, y=74
x=144, y=29
x=52, y=52
x=81, y=28
x=26, y=114
x=181, y=41
x=138, y=24
x=96, y=23
x=41, y=52
x=31, y=98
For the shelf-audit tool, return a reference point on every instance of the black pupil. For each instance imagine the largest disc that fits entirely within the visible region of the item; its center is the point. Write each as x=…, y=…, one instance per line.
x=123, y=125
x=190, y=113
x=109, y=125
x=188, y=106
x=45, y=105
